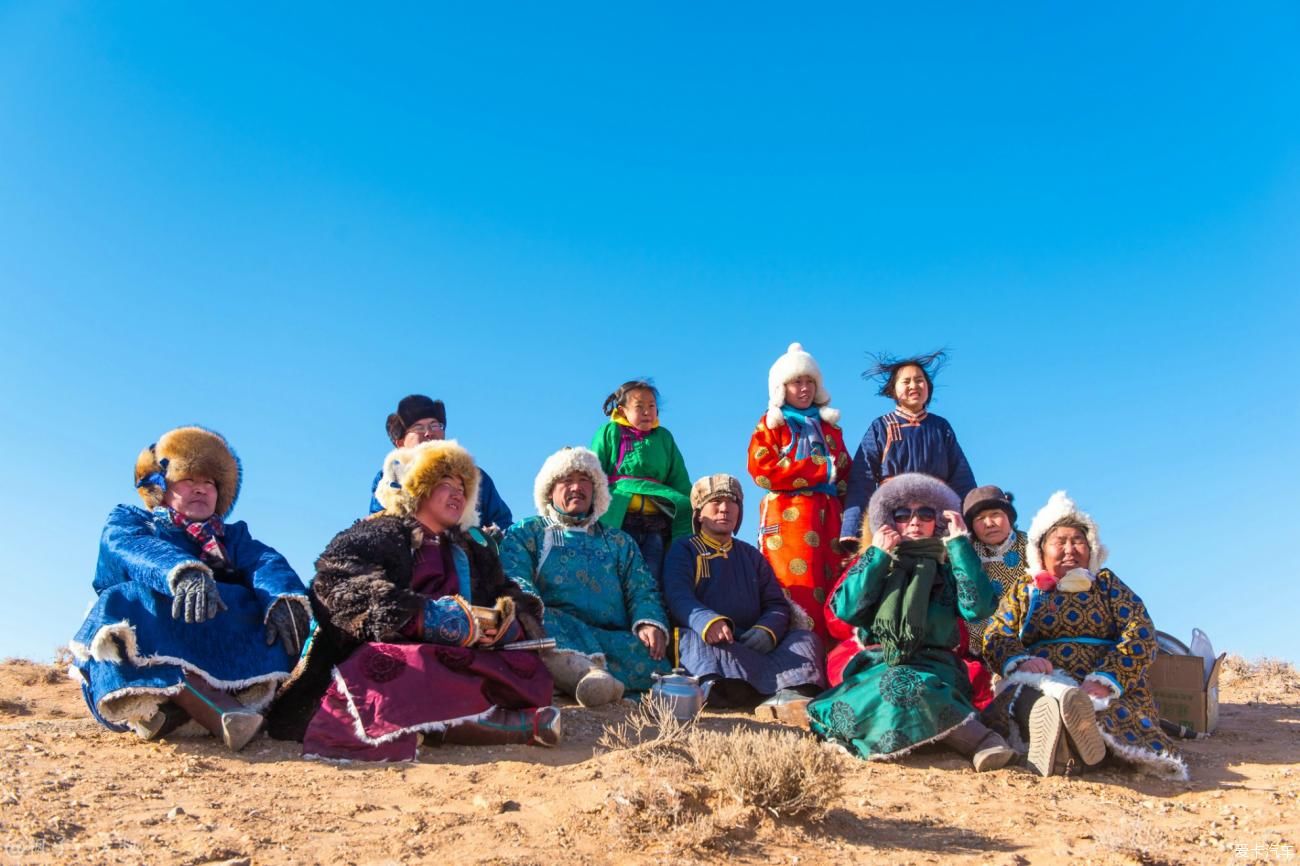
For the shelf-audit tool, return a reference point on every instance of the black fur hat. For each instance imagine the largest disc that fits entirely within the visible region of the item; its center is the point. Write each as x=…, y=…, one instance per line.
x=412, y=408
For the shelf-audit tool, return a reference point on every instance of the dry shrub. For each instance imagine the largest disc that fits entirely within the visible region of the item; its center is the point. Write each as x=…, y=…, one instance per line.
x=785, y=773
x=781, y=772
x=1260, y=680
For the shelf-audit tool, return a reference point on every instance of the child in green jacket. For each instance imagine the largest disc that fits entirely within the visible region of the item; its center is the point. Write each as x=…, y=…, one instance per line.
x=648, y=483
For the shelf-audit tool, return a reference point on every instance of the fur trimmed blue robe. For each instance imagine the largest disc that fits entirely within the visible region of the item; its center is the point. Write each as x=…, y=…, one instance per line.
x=132, y=654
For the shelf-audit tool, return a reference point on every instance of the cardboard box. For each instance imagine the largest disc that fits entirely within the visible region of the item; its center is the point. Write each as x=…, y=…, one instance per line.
x=1184, y=694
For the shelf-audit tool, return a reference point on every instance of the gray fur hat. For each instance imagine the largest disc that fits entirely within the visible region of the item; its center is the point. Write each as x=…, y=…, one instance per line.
x=911, y=487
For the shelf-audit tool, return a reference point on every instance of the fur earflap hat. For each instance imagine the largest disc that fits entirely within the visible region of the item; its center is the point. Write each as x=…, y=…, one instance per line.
x=711, y=487
x=986, y=497
x=563, y=462
x=410, y=474
x=793, y=364
x=1060, y=508
x=189, y=452
x=410, y=409
x=898, y=491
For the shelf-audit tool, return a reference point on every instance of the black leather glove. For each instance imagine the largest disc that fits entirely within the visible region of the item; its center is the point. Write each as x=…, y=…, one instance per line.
x=287, y=622
x=195, y=597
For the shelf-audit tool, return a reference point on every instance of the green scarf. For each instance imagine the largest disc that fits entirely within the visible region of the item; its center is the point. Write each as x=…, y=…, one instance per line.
x=899, y=623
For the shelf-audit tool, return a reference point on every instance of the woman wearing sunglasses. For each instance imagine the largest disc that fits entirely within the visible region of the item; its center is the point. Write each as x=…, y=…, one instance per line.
x=904, y=596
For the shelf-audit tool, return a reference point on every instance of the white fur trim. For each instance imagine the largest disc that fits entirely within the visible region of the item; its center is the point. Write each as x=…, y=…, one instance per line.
x=1058, y=507
x=175, y=574
x=561, y=463
x=1102, y=680
x=425, y=728
x=1147, y=761
x=794, y=363
x=654, y=622
x=1054, y=684
x=893, y=756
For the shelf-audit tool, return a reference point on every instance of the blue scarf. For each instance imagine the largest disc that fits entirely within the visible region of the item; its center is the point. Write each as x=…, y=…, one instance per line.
x=807, y=440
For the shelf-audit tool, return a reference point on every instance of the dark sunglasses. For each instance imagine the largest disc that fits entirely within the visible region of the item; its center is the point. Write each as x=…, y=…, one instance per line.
x=905, y=515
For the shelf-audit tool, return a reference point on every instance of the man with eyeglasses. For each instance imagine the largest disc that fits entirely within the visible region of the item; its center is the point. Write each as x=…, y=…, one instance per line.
x=421, y=419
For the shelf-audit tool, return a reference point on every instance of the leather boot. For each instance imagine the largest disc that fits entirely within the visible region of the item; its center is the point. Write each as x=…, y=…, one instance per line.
x=540, y=727
x=220, y=713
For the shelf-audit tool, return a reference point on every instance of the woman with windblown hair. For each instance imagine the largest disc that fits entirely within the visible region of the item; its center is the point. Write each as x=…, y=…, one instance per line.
x=797, y=455
x=903, y=596
x=908, y=439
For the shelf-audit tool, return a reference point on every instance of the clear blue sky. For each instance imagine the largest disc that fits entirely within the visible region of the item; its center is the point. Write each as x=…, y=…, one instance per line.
x=277, y=220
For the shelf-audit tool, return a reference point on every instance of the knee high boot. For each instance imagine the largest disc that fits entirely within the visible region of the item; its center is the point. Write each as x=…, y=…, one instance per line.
x=219, y=712
x=536, y=727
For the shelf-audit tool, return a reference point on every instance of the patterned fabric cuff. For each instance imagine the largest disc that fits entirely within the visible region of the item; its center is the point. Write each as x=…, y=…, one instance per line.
x=1106, y=680
x=449, y=621
x=1013, y=662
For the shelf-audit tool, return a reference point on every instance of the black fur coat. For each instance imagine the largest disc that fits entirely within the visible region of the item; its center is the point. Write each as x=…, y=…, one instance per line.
x=362, y=593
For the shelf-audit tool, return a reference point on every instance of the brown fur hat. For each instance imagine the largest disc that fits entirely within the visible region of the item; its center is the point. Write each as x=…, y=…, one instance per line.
x=410, y=475
x=189, y=452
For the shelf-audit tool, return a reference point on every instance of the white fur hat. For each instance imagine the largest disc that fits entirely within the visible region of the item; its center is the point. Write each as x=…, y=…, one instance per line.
x=794, y=363
x=1059, y=507
x=561, y=463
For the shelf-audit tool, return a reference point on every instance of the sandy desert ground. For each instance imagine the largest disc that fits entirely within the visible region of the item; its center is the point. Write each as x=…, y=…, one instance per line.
x=71, y=792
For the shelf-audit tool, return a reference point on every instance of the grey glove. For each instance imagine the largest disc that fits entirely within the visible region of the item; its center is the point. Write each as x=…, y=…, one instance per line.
x=287, y=622
x=758, y=640
x=195, y=597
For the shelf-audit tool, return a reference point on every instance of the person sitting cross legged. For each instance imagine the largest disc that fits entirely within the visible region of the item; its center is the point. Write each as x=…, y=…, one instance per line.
x=732, y=621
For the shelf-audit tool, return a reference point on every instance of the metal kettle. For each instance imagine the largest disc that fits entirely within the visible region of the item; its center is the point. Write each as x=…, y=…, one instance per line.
x=680, y=691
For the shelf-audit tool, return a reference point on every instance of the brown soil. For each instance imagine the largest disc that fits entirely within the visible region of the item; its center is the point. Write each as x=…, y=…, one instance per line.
x=71, y=792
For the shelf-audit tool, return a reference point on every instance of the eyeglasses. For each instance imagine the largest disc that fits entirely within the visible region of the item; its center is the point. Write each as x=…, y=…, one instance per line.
x=923, y=514
x=423, y=429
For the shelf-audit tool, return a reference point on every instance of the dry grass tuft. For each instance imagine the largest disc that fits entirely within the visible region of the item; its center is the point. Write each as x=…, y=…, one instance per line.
x=1266, y=680
x=784, y=773
x=708, y=787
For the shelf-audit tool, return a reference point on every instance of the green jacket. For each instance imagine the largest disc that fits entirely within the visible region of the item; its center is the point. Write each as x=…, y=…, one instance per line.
x=651, y=466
